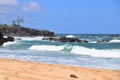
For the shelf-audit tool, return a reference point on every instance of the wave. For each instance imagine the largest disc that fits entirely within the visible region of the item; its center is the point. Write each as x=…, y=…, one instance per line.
x=46, y=47
x=70, y=36
x=9, y=43
x=30, y=38
x=109, y=53
x=115, y=41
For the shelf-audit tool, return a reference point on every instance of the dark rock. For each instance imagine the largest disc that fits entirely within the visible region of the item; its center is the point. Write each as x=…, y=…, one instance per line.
x=3, y=40
x=73, y=76
x=10, y=39
x=1, y=35
x=102, y=41
x=65, y=39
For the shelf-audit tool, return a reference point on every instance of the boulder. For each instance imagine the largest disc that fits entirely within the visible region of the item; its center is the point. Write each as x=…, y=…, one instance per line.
x=3, y=40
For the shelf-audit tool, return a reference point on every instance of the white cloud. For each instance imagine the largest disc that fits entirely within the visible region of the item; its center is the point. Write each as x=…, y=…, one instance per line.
x=7, y=6
x=31, y=6
x=9, y=2
x=11, y=6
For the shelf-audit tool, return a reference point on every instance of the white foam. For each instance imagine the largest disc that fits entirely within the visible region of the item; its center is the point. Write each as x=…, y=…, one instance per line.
x=46, y=47
x=9, y=43
x=112, y=53
x=93, y=42
x=5, y=36
x=109, y=53
x=115, y=40
x=30, y=38
x=70, y=36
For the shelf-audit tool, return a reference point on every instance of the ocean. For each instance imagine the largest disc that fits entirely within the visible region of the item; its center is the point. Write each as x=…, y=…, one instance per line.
x=91, y=54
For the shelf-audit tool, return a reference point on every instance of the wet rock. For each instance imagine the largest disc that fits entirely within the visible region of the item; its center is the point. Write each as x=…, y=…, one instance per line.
x=102, y=41
x=65, y=39
x=73, y=76
x=3, y=40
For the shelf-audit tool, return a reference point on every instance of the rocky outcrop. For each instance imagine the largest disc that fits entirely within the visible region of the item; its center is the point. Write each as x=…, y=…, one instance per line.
x=3, y=40
x=65, y=39
x=22, y=31
x=102, y=41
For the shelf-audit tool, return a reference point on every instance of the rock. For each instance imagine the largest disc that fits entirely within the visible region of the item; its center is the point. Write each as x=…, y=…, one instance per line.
x=65, y=39
x=102, y=41
x=73, y=76
x=10, y=39
x=3, y=40
x=1, y=35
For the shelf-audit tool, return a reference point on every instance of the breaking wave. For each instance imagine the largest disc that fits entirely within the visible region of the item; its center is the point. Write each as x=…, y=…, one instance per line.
x=30, y=38
x=9, y=43
x=115, y=41
x=70, y=36
x=109, y=53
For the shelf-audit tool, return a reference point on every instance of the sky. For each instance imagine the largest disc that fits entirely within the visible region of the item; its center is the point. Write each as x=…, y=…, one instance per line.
x=64, y=16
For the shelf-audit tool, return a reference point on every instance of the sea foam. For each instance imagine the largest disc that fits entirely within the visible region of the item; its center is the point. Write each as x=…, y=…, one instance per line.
x=115, y=41
x=109, y=53
x=70, y=36
x=46, y=47
x=9, y=43
x=30, y=38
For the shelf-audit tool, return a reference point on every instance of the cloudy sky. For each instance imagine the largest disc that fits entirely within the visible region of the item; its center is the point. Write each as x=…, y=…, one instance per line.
x=64, y=16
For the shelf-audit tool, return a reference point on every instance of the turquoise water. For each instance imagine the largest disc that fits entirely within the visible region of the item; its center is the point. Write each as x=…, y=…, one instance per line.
x=92, y=54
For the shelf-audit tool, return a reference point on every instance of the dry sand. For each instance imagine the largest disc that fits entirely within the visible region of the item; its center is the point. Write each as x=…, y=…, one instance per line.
x=20, y=70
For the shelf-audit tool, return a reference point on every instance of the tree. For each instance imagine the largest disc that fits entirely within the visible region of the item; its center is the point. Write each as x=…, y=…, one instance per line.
x=17, y=21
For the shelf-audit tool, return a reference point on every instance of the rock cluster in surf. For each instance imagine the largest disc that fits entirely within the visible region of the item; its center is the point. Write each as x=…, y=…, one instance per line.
x=3, y=40
x=65, y=39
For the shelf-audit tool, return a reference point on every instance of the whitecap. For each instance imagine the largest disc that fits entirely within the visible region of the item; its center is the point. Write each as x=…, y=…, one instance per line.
x=46, y=47
x=70, y=36
x=114, y=41
x=105, y=53
x=9, y=43
x=30, y=38
x=109, y=53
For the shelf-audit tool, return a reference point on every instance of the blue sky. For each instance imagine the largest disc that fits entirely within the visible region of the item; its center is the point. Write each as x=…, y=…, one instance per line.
x=64, y=16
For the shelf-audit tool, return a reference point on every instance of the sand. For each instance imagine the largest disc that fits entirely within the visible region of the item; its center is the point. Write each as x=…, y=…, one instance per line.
x=21, y=70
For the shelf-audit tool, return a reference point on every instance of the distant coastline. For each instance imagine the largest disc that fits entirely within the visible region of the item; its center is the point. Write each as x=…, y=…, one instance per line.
x=18, y=30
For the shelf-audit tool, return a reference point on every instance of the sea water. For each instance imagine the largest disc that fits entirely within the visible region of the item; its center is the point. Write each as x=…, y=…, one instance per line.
x=92, y=54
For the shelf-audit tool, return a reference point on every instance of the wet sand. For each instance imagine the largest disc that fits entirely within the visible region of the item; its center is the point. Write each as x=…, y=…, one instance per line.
x=21, y=70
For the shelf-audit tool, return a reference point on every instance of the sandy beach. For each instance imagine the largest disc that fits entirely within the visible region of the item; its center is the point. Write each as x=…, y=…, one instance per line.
x=20, y=70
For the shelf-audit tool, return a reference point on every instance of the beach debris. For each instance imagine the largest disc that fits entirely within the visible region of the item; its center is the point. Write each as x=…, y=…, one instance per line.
x=73, y=76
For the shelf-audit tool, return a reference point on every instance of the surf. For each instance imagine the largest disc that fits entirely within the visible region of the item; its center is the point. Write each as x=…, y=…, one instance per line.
x=104, y=53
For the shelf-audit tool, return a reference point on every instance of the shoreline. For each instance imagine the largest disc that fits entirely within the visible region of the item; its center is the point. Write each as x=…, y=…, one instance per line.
x=22, y=70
